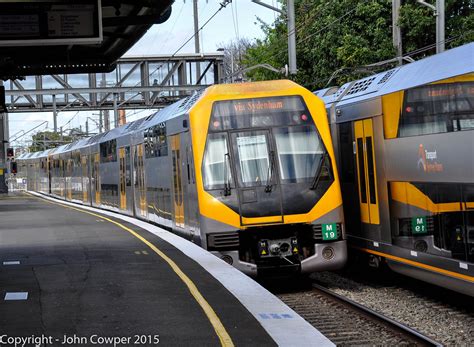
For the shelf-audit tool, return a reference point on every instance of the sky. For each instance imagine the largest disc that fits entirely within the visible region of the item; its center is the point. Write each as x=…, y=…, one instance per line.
x=237, y=20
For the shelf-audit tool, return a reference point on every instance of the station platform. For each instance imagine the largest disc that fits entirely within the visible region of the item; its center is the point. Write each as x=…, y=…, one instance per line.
x=73, y=275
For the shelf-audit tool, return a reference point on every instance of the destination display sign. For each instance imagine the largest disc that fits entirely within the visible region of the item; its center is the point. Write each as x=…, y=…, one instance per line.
x=442, y=91
x=55, y=22
x=259, y=112
x=259, y=106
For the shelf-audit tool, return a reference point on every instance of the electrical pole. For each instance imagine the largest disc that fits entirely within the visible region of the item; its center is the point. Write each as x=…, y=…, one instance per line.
x=396, y=31
x=103, y=83
x=291, y=37
x=116, y=115
x=55, y=115
x=438, y=11
x=197, y=47
x=106, y=120
x=290, y=18
x=440, y=26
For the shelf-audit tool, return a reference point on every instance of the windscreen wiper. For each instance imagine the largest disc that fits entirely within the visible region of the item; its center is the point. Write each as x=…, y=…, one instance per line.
x=227, y=189
x=317, y=177
x=269, y=185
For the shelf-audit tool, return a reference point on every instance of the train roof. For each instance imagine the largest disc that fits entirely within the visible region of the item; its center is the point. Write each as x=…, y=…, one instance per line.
x=453, y=62
x=175, y=110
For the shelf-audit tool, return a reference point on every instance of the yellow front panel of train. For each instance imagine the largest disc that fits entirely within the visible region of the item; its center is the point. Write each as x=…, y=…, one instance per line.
x=200, y=116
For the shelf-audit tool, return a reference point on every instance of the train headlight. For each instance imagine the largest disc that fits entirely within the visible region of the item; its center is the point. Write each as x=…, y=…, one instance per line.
x=284, y=247
x=274, y=249
x=228, y=259
x=328, y=253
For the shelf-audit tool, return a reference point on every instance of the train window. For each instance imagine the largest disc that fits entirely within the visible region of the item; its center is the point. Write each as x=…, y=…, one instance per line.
x=216, y=169
x=370, y=171
x=156, y=142
x=346, y=152
x=437, y=108
x=360, y=157
x=299, y=152
x=108, y=151
x=254, y=161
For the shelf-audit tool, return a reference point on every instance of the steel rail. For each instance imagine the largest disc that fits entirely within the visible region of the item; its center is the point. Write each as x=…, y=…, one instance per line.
x=393, y=324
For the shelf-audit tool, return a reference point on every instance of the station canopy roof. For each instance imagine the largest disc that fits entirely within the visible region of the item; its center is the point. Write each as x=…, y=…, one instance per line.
x=40, y=37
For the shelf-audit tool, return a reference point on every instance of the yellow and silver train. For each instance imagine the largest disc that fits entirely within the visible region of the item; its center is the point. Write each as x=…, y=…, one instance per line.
x=247, y=171
x=405, y=150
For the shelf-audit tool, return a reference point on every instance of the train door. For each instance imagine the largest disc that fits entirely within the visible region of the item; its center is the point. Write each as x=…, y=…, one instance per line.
x=96, y=178
x=69, y=179
x=257, y=176
x=85, y=178
x=48, y=167
x=366, y=172
x=190, y=193
x=61, y=177
x=122, y=183
x=128, y=178
x=178, y=196
x=141, y=208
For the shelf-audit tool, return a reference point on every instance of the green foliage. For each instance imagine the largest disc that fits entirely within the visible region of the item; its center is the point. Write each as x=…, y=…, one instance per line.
x=418, y=25
x=47, y=139
x=347, y=35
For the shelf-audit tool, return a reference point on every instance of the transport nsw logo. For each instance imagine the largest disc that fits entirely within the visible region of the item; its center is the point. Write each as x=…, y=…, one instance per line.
x=428, y=160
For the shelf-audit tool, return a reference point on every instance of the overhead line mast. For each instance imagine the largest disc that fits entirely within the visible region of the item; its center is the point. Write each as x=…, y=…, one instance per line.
x=290, y=18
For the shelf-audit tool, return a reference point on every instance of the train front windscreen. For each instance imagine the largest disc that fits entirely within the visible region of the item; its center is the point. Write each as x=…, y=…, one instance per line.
x=269, y=143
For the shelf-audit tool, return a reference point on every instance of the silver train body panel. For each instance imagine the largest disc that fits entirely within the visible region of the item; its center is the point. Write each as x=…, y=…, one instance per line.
x=398, y=160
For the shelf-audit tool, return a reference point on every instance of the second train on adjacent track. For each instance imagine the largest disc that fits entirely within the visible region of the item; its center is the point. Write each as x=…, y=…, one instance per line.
x=405, y=153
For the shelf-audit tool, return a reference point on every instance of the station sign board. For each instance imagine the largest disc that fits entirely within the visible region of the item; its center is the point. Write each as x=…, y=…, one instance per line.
x=53, y=22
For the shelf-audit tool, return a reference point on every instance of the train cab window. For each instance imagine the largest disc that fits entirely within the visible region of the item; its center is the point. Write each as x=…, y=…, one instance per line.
x=254, y=159
x=300, y=151
x=437, y=108
x=216, y=169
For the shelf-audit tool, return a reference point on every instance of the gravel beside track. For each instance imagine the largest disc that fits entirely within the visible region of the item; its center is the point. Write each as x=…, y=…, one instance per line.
x=338, y=323
x=443, y=315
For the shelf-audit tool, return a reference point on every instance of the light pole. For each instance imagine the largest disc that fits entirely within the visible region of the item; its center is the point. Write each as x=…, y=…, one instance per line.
x=438, y=11
x=290, y=18
x=396, y=32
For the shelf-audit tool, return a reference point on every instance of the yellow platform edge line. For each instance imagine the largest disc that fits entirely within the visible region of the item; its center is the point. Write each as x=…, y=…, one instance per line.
x=216, y=323
x=417, y=264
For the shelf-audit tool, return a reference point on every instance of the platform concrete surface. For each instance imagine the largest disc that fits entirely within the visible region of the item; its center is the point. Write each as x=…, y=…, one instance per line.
x=70, y=276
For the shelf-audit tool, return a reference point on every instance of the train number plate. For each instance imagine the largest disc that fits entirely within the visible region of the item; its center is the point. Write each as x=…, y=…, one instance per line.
x=418, y=225
x=329, y=232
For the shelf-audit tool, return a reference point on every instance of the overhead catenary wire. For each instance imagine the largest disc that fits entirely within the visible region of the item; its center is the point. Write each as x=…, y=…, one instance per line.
x=172, y=27
x=379, y=64
x=222, y=5
x=279, y=53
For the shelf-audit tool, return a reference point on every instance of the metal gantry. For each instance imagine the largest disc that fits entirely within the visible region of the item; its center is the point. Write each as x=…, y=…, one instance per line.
x=136, y=83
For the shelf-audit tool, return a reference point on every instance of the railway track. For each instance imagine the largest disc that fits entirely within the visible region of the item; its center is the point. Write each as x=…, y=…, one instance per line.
x=444, y=315
x=346, y=322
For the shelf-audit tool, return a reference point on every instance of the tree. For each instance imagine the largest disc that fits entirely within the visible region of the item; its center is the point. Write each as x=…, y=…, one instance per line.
x=233, y=53
x=48, y=139
x=345, y=36
x=418, y=25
